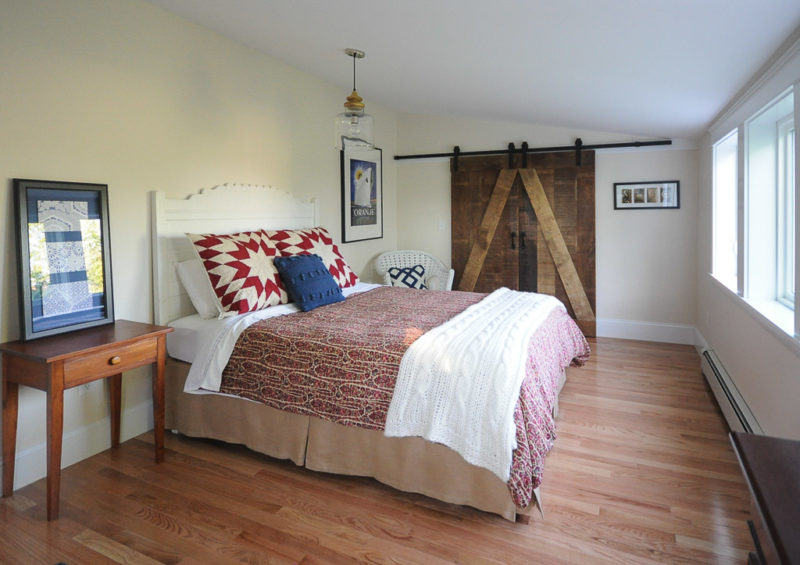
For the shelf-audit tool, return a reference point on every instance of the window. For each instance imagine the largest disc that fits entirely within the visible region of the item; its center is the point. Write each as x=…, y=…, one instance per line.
x=754, y=251
x=725, y=233
x=769, y=218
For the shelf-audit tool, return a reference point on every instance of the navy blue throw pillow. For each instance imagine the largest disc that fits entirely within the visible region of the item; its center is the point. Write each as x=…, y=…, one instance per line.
x=308, y=281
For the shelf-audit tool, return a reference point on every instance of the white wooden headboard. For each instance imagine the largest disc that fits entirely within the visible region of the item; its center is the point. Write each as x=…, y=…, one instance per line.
x=223, y=209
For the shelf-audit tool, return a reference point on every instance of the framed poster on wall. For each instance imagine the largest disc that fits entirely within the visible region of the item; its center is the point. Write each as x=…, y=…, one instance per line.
x=362, y=192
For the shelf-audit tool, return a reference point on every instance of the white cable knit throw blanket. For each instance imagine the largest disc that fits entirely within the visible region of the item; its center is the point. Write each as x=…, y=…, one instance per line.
x=458, y=383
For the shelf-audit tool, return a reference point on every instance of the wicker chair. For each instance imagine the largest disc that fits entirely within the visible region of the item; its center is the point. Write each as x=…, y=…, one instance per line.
x=437, y=276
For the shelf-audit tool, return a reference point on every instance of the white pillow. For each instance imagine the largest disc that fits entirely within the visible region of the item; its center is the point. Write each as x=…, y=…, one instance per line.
x=194, y=279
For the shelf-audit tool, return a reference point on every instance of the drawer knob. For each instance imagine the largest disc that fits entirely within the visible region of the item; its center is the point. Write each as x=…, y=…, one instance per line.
x=115, y=360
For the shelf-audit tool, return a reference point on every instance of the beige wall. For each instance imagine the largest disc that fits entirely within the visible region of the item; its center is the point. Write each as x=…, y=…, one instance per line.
x=122, y=93
x=646, y=260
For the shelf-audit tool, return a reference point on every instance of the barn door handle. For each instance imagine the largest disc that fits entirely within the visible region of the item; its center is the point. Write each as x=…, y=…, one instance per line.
x=513, y=240
x=522, y=240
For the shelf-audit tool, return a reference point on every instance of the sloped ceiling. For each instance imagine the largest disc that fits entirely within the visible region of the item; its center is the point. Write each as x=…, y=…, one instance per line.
x=655, y=68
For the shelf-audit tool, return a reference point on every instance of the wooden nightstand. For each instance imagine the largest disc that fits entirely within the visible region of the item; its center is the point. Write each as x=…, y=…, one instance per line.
x=59, y=362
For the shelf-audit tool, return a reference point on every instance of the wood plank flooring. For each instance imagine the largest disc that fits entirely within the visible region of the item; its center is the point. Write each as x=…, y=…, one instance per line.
x=642, y=472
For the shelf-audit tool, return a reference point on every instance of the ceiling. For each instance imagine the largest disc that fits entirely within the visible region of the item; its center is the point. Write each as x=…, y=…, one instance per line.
x=655, y=68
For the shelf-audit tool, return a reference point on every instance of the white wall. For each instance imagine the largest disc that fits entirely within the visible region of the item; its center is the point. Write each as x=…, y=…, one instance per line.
x=646, y=259
x=123, y=93
x=763, y=361
x=646, y=278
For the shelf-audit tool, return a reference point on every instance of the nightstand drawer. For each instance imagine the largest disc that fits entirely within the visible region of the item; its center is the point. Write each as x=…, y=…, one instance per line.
x=109, y=361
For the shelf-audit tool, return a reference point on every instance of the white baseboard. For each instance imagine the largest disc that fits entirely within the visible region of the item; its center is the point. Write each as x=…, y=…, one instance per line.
x=31, y=463
x=647, y=331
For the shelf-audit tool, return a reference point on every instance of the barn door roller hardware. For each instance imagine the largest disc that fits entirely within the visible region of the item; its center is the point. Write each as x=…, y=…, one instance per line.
x=524, y=150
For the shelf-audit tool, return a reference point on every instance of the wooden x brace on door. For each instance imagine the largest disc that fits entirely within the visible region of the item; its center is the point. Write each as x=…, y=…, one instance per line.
x=550, y=230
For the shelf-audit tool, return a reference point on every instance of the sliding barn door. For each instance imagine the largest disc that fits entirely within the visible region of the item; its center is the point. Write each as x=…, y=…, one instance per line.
x=473, y=186
x=527, y=229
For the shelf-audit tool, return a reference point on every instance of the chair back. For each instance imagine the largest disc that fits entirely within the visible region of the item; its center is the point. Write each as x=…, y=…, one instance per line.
x=437, y=276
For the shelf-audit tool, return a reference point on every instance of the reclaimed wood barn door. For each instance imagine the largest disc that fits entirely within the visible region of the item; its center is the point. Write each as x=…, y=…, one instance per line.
x=527, y=229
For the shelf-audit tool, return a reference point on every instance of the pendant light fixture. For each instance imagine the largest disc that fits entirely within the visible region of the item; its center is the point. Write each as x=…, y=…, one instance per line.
x=354, y=125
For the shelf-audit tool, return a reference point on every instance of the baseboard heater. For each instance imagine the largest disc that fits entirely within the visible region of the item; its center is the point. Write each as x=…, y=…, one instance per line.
x=729, y=399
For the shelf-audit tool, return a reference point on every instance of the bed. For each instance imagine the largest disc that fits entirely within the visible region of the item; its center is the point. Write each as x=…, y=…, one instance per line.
x=324, y=439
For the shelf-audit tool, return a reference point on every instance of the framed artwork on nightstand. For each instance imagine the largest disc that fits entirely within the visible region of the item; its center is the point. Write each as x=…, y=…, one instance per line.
x=64, y=257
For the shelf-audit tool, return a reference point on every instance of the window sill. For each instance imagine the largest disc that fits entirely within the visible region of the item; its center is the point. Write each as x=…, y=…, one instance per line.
x=782, y=326
x=776, y=313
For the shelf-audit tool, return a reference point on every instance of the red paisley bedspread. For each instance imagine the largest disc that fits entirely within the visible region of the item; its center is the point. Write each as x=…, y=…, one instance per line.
x=339, y=362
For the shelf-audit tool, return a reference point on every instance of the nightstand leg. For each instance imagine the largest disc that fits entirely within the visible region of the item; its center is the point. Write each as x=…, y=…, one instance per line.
x=158, y=399
x=10, y=404
x=115, y=406
x=55, y=429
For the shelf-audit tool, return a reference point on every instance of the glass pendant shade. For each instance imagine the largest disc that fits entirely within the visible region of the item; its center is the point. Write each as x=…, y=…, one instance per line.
x=356, y=127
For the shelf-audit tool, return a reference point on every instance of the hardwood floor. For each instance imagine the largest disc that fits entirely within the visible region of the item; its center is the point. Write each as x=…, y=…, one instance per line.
x=642, y=472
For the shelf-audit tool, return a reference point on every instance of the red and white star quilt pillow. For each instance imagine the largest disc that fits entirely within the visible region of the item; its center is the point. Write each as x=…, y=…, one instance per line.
x=241, y=270
x=319, y=241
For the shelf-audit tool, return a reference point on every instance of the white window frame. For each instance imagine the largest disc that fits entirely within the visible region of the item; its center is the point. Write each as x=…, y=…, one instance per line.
x=785, y=277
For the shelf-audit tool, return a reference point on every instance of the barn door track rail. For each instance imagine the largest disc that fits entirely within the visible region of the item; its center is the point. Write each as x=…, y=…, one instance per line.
x=524, y=150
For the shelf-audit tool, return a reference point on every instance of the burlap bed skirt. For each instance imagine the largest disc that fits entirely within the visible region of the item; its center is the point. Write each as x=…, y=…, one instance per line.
x=408, y=464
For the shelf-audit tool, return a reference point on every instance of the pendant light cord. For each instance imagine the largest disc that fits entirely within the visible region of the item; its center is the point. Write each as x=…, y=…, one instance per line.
x=354, y=71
